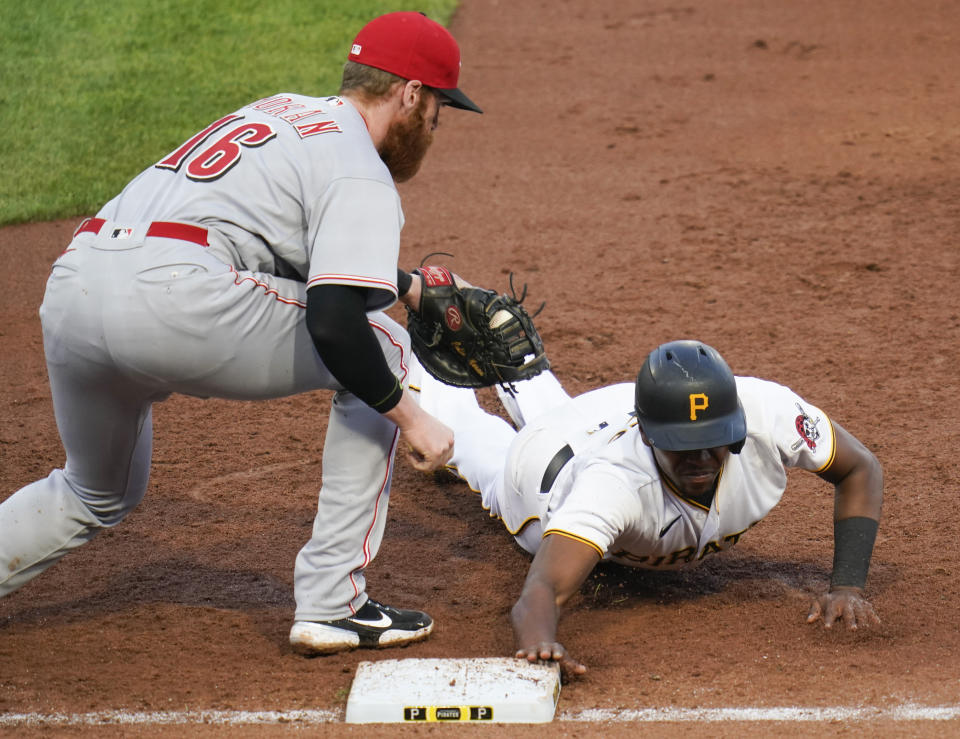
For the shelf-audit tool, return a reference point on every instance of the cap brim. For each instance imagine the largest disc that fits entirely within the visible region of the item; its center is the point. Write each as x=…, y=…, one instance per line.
x=456, y=99
x=672, y=437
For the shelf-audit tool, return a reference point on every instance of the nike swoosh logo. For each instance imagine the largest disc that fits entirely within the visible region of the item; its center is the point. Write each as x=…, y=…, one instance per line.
x=666, y=528
x=381, y=623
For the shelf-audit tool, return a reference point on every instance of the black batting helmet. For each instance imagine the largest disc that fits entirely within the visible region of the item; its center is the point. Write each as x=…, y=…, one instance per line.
x=686, y=398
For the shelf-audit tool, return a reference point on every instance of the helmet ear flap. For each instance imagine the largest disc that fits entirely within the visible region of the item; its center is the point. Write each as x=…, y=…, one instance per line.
x=737, y=447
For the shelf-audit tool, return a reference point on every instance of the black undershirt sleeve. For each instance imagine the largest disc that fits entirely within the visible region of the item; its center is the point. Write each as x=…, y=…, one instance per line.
x=337, y=322
x=404, y=281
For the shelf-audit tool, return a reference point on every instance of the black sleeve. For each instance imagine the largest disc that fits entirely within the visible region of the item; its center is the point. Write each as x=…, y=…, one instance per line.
x=404, y=281
x=337, y=321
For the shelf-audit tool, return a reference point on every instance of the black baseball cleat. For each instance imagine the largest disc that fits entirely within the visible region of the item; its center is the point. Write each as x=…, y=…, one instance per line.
x=374, y=625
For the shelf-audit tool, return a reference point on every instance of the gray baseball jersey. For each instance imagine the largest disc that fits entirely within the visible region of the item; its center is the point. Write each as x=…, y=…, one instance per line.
x=290, y=186
x=579, y=468
x=193, y=280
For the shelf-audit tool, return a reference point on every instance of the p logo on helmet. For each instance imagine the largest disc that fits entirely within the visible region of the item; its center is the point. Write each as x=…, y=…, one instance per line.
x=698, y=402
x=677, y=384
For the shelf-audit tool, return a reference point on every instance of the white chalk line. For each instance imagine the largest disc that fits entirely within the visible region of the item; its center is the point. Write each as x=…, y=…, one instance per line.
x=220, y=718
x=902, y=712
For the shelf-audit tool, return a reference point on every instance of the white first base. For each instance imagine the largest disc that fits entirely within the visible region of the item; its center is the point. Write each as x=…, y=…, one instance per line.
x=412, y=691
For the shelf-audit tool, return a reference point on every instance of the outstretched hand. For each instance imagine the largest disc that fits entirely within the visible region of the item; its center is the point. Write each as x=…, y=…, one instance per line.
x=847, y=604
x=552, y=652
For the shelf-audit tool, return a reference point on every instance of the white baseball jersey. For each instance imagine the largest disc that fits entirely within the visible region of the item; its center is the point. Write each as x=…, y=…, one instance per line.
x=611, y=494
x=614, y=498
x=325, y=210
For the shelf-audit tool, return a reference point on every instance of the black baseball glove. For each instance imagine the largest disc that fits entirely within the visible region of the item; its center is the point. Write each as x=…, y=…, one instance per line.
x=472, y=337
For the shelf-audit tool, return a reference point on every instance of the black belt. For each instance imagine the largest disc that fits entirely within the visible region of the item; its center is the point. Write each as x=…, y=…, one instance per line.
x=553, y=469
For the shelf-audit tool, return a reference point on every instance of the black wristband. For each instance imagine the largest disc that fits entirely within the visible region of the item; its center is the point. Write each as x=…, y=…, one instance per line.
x=387, y=403
x=853, y=540
x=404, y=281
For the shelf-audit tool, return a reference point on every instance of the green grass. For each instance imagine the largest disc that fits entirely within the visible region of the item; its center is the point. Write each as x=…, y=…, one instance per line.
x=93, y=92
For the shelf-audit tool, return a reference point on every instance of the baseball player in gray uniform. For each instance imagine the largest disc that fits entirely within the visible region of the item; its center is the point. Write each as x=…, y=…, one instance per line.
x=659, y=474
x=254, y=261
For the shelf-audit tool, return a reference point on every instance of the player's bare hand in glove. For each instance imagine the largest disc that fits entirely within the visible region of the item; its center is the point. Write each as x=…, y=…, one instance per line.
x=430, y=440
x=552, y=652
x=846, y=604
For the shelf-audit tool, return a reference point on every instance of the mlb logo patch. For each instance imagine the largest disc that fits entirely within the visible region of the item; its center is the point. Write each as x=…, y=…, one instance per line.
x=355, y=49
x=121, y=233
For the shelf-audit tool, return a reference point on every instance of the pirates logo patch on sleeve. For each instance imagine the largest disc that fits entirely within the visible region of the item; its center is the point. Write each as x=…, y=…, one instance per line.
x=807, y=428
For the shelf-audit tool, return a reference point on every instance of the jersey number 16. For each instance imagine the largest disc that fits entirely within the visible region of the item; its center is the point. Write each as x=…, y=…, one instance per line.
x=215, y=160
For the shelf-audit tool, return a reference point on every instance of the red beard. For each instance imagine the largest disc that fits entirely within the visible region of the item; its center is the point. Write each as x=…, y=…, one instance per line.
x=406, y=144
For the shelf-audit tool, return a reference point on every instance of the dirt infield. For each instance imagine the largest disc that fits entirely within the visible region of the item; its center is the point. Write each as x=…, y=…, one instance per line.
x=776, y=179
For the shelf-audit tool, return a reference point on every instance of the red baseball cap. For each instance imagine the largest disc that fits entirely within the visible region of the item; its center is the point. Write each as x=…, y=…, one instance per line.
x=410, y=45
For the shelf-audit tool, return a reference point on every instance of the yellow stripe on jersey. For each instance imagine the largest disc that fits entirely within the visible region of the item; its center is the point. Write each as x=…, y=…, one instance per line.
x=574, y=537
x=452, y=469
x=689, y=501
x=630, y=424
x=833, y=448
x=455, y=471
x=522, y=526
